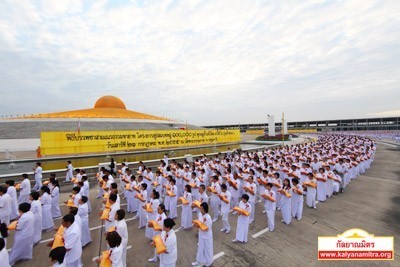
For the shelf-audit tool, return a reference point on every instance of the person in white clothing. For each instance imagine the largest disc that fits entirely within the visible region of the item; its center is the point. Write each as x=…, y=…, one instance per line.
x=23, y=238
x=168, y=236
x=205, y=249
x=270, y=205
x=225, y=207
x=55, y=196
x=161, y=217
x=4, y=259
x=154, y=202
x=5, y=205
x=13, y=194
x=122, y=230
x=215, y=202
x=83, y=212
x=36, y=209
x=297, y=199
x=47, y=221
x=72, y=241
x=243, y=221
x=186, y=217
x=69, y=175
x=38, y=176
x=25, y=189
x=57, y=257
x=114, y=242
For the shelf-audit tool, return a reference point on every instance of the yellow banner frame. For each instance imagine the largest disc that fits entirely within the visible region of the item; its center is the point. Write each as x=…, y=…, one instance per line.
x=62, y=143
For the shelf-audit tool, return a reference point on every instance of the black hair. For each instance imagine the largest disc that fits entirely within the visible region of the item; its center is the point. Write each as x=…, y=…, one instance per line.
x=25, y=175
x=269, y=184
x=205, y=206
x=114, y=239
x=245, y=196
x=77, y=189
x=58, y=254
x=223, y=186
x=114, y=186
x=295, y=181
x=84, y=199
x=55, y=183
x=162, y=206
x=10, y=182
x=156, y=194
x=35, y=195
x=3, y=189
x=144, y=186
x=45, y=189
x=3, y=230
x=188, y=188
x=120, y=214
x=73, y=210
x=169, y=223
x=203, y=186
x=113, y=197
x=24, y=207
x=2, y=244
x=69, y=218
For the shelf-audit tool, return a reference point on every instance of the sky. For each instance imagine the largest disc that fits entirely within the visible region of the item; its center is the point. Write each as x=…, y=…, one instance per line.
x=203, y=62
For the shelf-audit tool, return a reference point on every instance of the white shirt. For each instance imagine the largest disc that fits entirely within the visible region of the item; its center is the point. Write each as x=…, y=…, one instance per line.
x=38, y=172
x=116, y=256
x=72, y=240
x=5, y=205
x=25, y=187
x=169, y=240
x=122, y=230
x=205, y=219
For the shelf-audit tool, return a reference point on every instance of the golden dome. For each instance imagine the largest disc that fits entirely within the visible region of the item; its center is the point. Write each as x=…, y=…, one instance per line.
x=109, y=101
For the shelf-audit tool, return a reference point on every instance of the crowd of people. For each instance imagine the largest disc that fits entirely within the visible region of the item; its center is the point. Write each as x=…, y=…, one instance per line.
x=208, y=189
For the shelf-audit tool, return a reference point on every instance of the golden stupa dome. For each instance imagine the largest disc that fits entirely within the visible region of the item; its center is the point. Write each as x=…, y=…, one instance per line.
x=109, y=101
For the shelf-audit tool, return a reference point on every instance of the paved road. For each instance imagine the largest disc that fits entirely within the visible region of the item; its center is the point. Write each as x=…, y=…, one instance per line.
x=371, y=202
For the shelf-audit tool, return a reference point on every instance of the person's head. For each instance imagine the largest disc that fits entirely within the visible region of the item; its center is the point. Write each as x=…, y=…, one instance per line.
x=69, y=162
x=24, y=176
x=269, y=186
x=215, y=178
x=161, y=209
x=45, y=189
x=276, y=175
x=3, y=190
x=73, y=210
x=113, y=239
x=83, y=200
x=112, y=198
x=204, y=208
x=173, y=182
x=223, y=188
x=295, y=181
x=38, y=164
x=34, y=196
x=202, y=188
x=57, y=255
x=84, y=178
x=143, y=186
x=310, y=175
x=120, y=215
x=10, y=183
x=55, y=183
x=188, y=188
x=76, y=190
x=77, y=170
x=250, y=179
x=286, y=183
x=245, y=198
x=155, y=194
x=68, y=220
x=168, y=224
x=24, y=207
x=321, y=170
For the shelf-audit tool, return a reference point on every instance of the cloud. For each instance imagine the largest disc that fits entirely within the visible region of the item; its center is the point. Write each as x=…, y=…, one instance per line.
x=207, y=62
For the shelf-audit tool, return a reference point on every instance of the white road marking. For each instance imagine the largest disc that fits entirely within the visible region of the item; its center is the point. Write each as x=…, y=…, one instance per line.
x=386, y=144
x=260, y=233
x=216, y=256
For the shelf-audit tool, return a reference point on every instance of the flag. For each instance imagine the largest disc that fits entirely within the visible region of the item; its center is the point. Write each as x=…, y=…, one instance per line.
x=78, y=129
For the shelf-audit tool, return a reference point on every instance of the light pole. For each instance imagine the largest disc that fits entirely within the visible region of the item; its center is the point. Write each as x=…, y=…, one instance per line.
x=283, y=129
